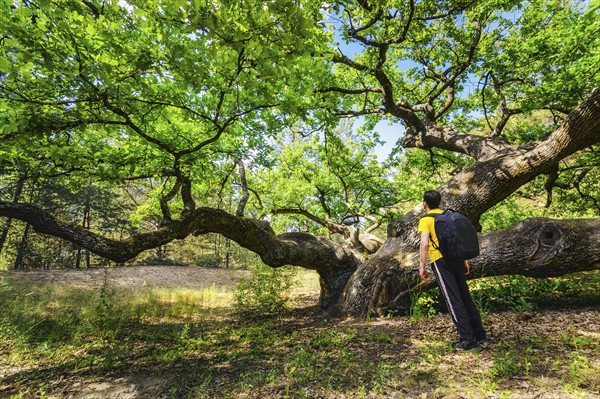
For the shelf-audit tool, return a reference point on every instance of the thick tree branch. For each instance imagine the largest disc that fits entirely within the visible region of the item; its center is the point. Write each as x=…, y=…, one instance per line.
x=550, y=181
x=579, y=130
x=444, y=137
x=365, y=243
x=342, y=90
x=353, y=114
x=186, y=194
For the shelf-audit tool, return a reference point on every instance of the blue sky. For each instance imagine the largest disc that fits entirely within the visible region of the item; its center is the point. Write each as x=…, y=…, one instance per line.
x=389, y=134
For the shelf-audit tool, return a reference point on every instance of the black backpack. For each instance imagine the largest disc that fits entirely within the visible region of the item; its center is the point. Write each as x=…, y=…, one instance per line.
x=456, y=235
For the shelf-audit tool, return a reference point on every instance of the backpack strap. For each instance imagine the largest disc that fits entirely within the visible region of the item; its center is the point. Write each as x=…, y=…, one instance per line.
x=433, y=215
x=433, y=244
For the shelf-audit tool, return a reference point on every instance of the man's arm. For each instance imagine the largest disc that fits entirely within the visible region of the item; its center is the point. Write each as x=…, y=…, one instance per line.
x=423, y=251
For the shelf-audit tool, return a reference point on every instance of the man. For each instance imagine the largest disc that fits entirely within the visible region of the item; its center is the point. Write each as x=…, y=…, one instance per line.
x=450, y=275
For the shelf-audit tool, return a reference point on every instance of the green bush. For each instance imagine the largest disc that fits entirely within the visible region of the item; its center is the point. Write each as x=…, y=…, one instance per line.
x=266, y=292
x=520, y=294
x=424, y=304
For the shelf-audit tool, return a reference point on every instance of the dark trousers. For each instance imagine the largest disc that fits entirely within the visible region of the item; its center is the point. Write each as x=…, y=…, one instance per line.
x=450, y=275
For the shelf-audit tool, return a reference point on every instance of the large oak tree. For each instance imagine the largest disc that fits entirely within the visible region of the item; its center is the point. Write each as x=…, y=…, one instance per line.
x=181, y=93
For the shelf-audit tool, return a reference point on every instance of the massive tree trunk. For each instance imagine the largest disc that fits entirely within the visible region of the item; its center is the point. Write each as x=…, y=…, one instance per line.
x=535, y=247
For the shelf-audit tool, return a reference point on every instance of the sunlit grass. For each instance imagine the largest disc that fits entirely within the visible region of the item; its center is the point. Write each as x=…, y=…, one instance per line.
x=307, y=283
x=182, y=303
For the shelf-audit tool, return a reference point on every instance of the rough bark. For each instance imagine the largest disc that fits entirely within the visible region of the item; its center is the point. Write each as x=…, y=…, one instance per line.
x=499, y=170
x=535, y=247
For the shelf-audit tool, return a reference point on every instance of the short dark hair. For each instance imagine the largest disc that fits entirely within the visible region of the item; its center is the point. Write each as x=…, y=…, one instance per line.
x=432, y=198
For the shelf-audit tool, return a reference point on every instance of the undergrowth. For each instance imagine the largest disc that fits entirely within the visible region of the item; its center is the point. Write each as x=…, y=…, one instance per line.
x=266, y=292
x=518, y=294
x=198, y=343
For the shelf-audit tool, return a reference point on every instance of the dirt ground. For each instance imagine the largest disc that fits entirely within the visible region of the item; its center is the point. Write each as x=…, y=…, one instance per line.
x=505, y=327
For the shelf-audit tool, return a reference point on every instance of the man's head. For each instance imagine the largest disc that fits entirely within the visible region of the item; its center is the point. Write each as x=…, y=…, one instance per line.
x=432, y=198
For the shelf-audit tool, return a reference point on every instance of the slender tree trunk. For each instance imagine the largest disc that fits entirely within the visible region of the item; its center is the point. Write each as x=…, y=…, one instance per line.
x=4, y=233
x=86, y=226
x=160, y=252
x=216, y=239
x=87, y=259
x=22, y=248
x=227, y=252
x=16, y=197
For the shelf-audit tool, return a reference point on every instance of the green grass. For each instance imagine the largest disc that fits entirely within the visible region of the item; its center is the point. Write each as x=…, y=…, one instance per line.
x=198, y=346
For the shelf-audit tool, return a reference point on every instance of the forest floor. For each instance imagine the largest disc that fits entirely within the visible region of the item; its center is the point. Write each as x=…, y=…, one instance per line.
x=548, y=353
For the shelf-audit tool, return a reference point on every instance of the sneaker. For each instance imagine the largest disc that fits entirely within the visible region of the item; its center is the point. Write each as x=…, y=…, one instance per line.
x=466, y=346
x=483, y=342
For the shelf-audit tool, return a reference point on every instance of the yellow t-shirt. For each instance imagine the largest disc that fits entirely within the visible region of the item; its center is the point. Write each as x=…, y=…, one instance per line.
x=426, y=224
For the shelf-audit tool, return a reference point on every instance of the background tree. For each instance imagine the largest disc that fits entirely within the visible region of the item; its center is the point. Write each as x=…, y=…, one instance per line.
x=17, y=190
x=329, y=184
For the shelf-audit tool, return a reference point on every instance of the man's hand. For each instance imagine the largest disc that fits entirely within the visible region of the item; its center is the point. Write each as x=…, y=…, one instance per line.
x=423, y=273
x=467, y=267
